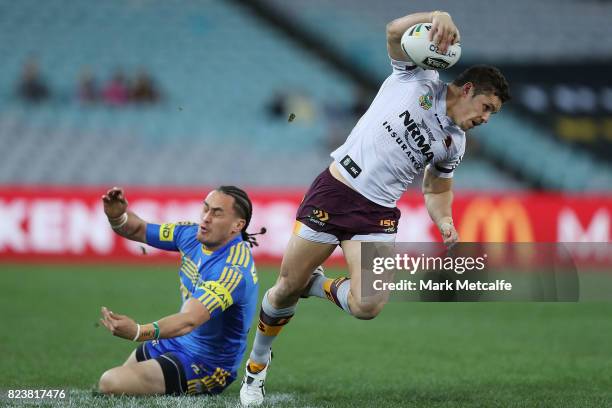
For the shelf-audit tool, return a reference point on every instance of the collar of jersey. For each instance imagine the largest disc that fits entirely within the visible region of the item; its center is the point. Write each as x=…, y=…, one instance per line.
x=221, y=250
x=441, y=108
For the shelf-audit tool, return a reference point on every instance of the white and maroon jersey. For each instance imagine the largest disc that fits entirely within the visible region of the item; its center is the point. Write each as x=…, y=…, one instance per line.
x=404, y=129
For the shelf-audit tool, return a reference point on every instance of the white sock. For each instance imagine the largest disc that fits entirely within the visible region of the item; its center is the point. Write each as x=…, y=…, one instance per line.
x=317, y=287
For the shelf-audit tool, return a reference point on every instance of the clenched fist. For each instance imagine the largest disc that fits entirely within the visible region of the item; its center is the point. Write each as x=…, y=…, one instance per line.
x=115, y=204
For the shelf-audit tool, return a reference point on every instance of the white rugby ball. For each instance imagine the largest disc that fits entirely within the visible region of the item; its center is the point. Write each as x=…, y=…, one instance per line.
x=415, y=43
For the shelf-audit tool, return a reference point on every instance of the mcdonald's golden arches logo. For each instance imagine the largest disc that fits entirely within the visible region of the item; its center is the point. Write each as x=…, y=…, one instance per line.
x=498, y=222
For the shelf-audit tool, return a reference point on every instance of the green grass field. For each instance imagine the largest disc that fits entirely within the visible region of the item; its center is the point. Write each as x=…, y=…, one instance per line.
x=413, y=354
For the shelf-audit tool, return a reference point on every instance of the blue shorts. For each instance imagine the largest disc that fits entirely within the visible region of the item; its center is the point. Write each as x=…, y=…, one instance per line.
x=183, y=373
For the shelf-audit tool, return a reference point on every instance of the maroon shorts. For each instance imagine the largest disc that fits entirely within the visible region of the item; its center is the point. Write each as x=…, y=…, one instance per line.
x=334, y=208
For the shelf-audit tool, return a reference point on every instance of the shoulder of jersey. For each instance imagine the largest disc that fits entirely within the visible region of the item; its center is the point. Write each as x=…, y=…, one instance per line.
x=239, y=255
x=188, y=223
x=461, y=146
x=429, y=76
x=459, y=141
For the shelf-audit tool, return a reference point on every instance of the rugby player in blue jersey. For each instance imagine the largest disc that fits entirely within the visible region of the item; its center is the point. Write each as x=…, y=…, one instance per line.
x=198, y=349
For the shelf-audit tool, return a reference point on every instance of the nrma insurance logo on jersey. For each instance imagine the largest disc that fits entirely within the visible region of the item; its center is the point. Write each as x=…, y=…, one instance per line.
x=417, y=142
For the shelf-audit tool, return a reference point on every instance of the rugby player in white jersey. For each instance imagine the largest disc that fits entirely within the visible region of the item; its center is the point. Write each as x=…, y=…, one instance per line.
x=415, y=124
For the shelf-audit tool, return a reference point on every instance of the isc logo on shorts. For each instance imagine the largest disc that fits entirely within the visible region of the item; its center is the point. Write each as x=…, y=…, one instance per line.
x=389, y=225
x=166, y=232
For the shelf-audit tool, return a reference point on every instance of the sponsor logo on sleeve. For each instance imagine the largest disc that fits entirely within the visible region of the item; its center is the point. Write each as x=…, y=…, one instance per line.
x=166, y=232
x=219, y=292
x=350, y=166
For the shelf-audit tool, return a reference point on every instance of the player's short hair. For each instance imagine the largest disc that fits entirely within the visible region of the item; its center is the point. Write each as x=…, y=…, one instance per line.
x=487, y=80
x=244, y=209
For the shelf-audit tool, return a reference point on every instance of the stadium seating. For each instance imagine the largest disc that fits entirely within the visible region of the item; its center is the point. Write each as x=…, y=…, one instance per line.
x=519, y=145
x=218, y=69
x=356, y=29
x=548, y=28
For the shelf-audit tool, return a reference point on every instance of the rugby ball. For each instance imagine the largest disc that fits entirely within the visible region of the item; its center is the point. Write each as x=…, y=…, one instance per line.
x=415, y=43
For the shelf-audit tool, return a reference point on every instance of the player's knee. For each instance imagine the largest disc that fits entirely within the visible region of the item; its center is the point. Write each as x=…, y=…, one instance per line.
x=367, y=311
x=109, y=383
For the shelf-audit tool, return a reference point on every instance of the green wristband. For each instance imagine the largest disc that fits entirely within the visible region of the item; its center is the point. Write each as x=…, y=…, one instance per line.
x=156, y=326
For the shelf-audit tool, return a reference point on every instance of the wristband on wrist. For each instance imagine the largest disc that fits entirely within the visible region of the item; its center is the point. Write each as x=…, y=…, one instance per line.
x=147, y=332
x=118, y=222
x=156, y=334
x=137, y=333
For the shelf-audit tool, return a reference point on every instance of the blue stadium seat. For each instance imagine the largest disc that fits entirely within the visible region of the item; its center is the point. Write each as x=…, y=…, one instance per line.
x=217, y=67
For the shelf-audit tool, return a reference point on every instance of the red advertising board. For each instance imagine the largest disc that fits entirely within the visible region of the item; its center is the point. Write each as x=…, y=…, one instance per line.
x=49, y=224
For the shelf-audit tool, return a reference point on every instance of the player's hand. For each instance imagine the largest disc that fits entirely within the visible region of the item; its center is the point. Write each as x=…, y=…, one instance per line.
x=114, y=202
x=119, y=325
x=449, y=233
x=443, y=32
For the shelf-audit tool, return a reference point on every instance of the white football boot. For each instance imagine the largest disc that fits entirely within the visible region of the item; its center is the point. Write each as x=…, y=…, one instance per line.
x=252, y=391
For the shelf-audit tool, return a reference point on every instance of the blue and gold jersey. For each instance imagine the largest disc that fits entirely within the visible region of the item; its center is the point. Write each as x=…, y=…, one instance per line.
x=225, y=281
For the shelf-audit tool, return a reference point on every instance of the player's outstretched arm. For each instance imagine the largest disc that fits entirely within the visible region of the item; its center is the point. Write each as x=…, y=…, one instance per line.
x=438, y=194
x=443, y=32
x=124, y=222
x=192, y=315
